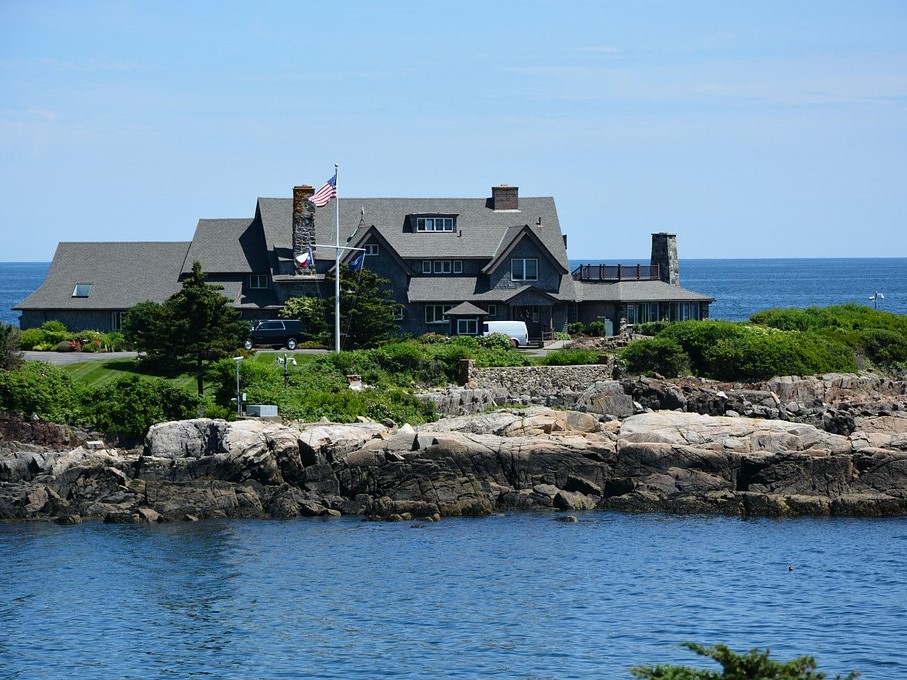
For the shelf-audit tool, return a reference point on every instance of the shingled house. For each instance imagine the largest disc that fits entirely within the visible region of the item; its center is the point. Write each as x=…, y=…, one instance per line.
x=504, y=255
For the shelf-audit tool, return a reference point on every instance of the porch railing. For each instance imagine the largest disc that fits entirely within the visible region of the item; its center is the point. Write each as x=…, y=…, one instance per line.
x=616, y=272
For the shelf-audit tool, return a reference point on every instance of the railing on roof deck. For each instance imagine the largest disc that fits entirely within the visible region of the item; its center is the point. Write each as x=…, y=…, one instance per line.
x=616, y=272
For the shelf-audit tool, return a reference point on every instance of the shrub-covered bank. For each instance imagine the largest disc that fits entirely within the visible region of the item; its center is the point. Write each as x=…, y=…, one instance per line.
x=845, y=338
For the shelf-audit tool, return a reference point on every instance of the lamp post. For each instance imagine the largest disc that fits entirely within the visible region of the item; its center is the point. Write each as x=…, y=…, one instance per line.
x=875, y=297
x=286, y=361
x=238, y=393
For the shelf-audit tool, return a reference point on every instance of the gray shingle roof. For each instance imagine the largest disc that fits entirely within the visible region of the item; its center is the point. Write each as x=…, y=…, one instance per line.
x=480, y=230
x=233, y=245
x=636, y=291
x=121, y=275
x=253, y=299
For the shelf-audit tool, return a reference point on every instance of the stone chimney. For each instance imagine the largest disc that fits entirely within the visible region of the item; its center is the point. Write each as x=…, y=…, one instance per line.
x=303, y=219
x=505, y=197
x=664, y=254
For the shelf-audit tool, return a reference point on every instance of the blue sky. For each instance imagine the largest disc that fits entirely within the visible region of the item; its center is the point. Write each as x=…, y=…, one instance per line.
x=761, y=129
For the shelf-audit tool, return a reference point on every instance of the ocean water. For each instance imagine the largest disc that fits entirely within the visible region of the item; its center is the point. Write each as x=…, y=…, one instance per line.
x=517, y=596
x=17, y=281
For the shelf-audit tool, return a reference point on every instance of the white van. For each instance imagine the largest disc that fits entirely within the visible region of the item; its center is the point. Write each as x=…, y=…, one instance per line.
x=515, y=330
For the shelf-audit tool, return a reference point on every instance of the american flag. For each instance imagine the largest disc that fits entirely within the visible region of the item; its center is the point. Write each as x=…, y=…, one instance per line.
x=325, y=193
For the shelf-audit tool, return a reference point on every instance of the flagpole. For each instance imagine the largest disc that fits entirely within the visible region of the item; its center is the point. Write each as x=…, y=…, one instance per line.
x=337, y=261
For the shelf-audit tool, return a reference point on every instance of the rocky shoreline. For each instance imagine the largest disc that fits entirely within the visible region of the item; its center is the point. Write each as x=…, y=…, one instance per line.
x=827, y=445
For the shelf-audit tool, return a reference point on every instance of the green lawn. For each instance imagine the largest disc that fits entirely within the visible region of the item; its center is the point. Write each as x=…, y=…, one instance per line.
x=98, y=372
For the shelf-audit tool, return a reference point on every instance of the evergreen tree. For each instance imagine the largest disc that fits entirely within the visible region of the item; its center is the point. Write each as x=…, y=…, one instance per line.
x=193, y=326
x=10, y=356
x=753, y=665
x=367, y=310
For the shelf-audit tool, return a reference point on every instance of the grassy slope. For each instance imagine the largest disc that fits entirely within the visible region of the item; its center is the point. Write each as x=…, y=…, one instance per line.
x=99, y=372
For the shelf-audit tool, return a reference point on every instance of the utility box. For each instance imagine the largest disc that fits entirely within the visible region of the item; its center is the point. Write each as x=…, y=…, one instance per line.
x=261, y=410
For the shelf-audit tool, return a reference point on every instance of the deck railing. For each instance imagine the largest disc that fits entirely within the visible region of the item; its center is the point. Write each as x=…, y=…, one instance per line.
x=616, y=272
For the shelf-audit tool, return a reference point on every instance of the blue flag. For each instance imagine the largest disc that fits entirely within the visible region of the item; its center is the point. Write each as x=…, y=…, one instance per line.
x=357, y=263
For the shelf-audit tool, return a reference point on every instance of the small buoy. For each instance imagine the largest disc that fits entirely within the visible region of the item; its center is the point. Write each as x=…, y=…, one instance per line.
x=790, y=567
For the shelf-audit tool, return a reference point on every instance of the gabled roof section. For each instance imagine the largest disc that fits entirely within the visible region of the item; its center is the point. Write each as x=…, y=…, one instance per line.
x=363, y=235
x=511, y=239
x=229, y=246
x=513, y=296
x=636, y=291
x=121, y=275
x=478, y=233
x=466, y=309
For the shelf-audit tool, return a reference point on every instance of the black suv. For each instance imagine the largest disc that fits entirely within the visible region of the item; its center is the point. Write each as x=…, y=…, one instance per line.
x=275, y=332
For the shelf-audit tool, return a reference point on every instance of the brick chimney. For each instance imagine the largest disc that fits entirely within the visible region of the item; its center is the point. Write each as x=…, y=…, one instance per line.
x=303, y=219
x=505, y=197
x=664, y=254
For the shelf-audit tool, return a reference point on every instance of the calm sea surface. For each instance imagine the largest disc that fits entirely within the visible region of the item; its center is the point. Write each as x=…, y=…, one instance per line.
x=514, y=596
x=518, y=596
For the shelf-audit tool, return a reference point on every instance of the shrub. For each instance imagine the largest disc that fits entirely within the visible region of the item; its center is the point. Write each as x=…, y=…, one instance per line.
x=759, y=356
x=433, y=338
x=884, y=347
x=115, y=341
x=570, y=357
x=651, y=327
x=494, y=341
x=130, y=405
x=31, y=338
x=576, y=328
x=90, y=341
x=596, y=329
x=38, y=388
x=788, y=319
x=697, y=337
x=661, y=355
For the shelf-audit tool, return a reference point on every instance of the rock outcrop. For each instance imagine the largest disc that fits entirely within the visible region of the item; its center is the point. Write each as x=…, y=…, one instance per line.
x=695, y=458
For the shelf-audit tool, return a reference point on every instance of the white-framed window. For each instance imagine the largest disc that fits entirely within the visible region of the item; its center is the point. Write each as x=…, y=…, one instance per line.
x=371, y=248
x=81, y=290
x=434, y=224
x=398, y=312
x=442, y=266
x=435, y=313
x=258, y=280
x=467, y=327
x=116, y=320
x=524, y=269
x=492, y=310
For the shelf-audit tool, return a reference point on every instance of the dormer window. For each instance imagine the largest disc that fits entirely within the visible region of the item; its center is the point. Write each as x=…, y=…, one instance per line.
x=434, y=224
x=258, y=280
x=524, y=269
x=82, y=290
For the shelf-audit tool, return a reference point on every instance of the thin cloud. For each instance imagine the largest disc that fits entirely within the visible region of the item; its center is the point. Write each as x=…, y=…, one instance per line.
x=601, y=49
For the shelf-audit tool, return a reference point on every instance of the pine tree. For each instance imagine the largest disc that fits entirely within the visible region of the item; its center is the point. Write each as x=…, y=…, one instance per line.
x=193, y=326
x=367, y=310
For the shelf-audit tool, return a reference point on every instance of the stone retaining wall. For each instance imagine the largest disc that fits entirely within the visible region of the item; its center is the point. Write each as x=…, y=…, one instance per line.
x=484, y=388
x=538, y=381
